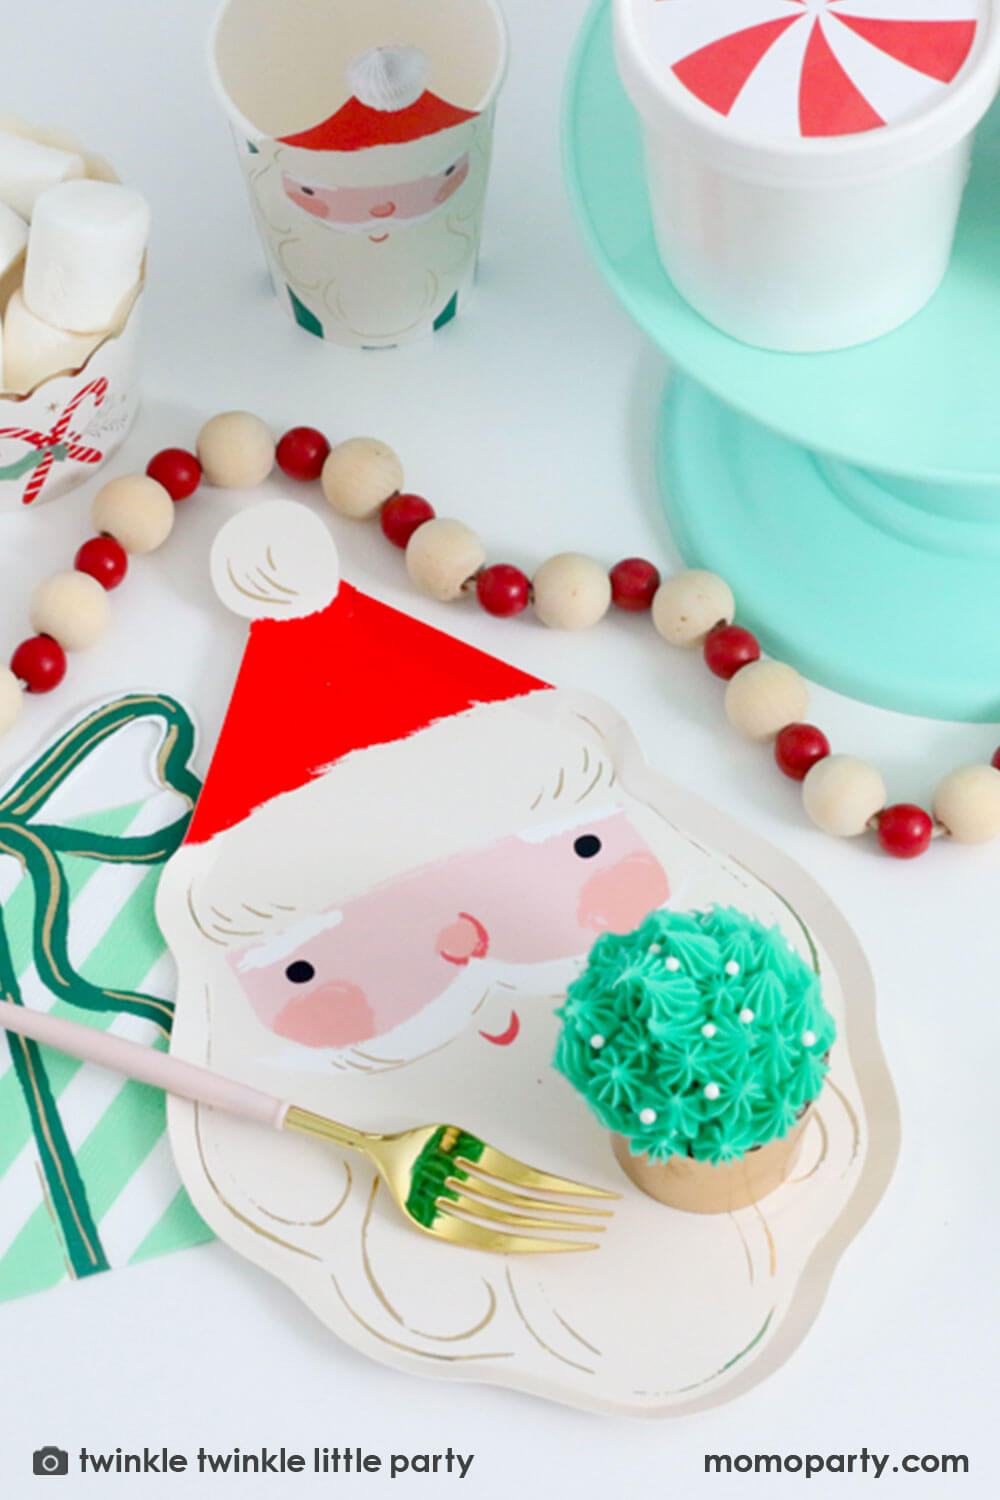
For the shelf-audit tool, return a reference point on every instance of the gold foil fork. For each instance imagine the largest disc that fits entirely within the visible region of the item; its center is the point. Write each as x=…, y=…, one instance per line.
x=456, y=1187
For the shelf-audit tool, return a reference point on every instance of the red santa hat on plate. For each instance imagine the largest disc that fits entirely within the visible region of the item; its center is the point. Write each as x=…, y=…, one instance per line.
x=329, y=672
x=389, y=105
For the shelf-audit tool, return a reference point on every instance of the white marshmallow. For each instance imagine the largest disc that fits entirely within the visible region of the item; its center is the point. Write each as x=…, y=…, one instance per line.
x=33, y=350
x=28, y=168
x=85, y=254
x=13, y=238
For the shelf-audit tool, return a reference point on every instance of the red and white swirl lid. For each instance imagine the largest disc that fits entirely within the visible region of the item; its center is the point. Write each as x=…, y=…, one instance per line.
x=813, y=68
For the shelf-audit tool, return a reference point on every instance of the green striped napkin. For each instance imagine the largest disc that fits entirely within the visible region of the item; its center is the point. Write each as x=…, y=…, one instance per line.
x=87, y=1181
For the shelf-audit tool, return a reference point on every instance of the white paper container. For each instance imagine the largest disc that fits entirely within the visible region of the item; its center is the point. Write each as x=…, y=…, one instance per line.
x=78, y=418
x=776, y=228
x=280, y=68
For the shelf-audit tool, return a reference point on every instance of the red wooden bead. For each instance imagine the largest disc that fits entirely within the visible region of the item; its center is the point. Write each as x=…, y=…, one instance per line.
x=728, y=648
x=995, y=762
x=40, y=663
x=402, y=514
x=798, y=748
x=104, y=559
x=634, y=581
x=302, y=452
x=177, y=470
x=503, y=590
x=904, y=830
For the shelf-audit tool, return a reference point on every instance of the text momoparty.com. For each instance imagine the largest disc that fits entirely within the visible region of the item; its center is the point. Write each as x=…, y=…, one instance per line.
x=276, y=1461
x=811, y=1464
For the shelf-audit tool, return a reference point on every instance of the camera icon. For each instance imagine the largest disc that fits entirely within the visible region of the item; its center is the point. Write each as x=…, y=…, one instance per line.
x=50, y=1461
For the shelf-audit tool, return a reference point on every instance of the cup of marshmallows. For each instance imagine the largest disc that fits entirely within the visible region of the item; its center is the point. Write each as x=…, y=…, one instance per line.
x=72, y=258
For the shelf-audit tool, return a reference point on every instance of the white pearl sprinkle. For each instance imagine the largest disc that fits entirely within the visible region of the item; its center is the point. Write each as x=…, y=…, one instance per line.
x=746, y=1015
x=712, y=1091
x=673, y=963
x=732, y=968
x=709, y=1029
x=597, y=1041
x=809, y=1039
x=647, y=1117
x=655, y=948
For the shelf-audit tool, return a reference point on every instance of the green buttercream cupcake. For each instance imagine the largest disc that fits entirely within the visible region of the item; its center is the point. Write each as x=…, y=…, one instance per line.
x=699, y=1038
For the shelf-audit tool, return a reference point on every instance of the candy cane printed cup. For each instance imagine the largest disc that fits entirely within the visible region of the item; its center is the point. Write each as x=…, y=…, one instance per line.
x=364, y=132
x=60, y=431
x=806, y=158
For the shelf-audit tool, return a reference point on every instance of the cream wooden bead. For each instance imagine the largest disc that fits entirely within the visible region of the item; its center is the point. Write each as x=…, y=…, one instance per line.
x=135, y=510
x=11, y=698
x=72, y=608
x=571, y=591
x=763, y=697
x=441, y=555
x=359, y=476
x=687, y=605
x=967, y=804
x=841, y=794
x=236, y=450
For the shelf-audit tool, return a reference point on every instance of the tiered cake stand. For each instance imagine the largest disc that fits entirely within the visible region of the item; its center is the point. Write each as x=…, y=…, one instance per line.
x=852, y=500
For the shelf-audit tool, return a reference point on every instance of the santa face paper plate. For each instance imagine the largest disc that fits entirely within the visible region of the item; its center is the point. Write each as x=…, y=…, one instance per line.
x=403, y=853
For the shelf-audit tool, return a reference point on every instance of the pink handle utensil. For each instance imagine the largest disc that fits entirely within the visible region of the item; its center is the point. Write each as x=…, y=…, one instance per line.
x=186, y=1080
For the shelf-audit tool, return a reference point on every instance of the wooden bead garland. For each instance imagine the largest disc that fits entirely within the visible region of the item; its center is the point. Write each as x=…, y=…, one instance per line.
x=967, y=804
x=362, y=478
x=690, y=604
x=571, y=591
x=441, y=555
x=842, y=794
x=72, y=608
x=236, y=450
x=136, y=510
x=765, y=696
x=359, y=476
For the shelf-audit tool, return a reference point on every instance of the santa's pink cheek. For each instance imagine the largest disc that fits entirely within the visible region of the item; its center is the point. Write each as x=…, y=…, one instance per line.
x=451, y=185
x=333, y=1015
x=618, y=898
x=312, y=205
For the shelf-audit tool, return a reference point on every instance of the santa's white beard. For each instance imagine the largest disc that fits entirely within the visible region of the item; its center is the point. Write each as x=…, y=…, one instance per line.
x=375, y=293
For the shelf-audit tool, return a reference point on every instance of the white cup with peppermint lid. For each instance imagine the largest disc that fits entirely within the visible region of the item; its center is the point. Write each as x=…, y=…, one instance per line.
x=806, y=158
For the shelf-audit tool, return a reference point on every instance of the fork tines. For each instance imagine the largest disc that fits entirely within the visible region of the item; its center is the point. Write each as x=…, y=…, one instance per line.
x=485, y=1195
x=507, y=1169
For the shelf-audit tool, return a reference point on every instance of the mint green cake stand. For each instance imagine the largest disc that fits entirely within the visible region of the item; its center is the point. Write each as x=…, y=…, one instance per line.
x=852, y=500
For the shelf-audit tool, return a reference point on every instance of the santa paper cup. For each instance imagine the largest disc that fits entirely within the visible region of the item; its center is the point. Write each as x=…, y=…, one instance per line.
x=364, y=132
x=806, y=158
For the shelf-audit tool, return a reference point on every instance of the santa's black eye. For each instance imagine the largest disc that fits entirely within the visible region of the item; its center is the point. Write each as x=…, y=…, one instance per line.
x=309, y=192
x=452, y=168
x=587, y=845
x=300, y=972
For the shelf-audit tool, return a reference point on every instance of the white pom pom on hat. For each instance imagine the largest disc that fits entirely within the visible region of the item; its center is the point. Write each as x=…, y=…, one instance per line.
x=275, y=561
x=389, y=78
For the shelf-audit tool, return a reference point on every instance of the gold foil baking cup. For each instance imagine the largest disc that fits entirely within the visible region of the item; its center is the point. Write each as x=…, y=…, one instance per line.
x=701, y=1187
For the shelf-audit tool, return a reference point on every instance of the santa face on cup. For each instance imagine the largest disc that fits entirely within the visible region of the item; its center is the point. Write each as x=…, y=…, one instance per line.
x=375, y=211
x=372, y=216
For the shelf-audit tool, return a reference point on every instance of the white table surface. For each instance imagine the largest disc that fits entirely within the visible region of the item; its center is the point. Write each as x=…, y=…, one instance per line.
x=530, y=418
